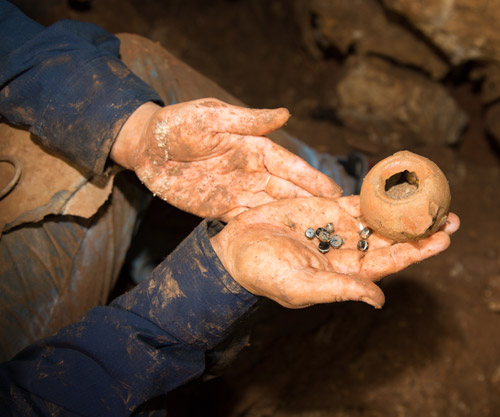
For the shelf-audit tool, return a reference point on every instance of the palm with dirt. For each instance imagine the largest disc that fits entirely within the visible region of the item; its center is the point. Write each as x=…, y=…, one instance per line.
x=266, y=251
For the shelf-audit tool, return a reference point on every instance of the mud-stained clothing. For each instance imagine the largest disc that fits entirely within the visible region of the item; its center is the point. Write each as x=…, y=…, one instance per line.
x=67, y=84
x=147, y=342
x=64, y=228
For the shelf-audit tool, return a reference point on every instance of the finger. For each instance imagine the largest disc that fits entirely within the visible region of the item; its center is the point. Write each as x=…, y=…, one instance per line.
x=279, y=188
x=246, y=200
x=327, y=287
x=452, y=224
x=351, y=205
x=231, y=214
x=249, y=199
x=288, y=166
x=391, y=259
x=311, y=212
x=243, y=121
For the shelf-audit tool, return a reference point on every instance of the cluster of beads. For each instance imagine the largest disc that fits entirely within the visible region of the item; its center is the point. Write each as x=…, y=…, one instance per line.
x=326, y=237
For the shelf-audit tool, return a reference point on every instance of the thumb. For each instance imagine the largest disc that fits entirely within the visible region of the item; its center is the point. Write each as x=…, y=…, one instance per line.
x=250, y=122
x=331, y=287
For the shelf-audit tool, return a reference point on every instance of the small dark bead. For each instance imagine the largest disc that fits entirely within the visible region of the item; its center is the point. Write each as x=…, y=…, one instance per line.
x=329, y=228
x=310, y=233
x=324, y=247
x=365, y=233
x=363, y=245
x=336, y=241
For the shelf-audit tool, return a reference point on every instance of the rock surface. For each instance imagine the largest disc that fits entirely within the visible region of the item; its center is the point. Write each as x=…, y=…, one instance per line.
x=463, y=29
x=488, y=76
x=395, y=105
x=493, y=122
x=362, y=26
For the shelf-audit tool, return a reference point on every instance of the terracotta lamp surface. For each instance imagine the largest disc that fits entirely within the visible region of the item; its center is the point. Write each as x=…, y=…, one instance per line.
x=405, y=197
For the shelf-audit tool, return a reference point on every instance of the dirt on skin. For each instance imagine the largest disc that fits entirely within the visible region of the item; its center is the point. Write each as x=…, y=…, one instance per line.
x=434, y=348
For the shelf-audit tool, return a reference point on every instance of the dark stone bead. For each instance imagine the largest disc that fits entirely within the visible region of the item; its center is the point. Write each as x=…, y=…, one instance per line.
x=324, y=236
x=363, y=245
x=310, y=233
x=336, y=241
x=365, y=233
x=324, y=247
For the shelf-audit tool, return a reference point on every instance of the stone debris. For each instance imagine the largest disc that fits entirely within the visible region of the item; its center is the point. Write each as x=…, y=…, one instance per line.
x=463, y=30
x=363, y=26
x=396, y=106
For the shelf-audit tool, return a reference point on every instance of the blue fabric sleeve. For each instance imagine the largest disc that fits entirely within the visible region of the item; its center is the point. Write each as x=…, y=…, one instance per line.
x=67, y=84
x=144, y=344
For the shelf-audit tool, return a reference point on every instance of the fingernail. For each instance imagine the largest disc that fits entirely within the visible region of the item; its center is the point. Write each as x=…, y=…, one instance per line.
x=372, y=302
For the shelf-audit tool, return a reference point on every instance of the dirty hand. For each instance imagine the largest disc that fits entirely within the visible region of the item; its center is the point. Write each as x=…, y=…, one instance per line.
x=209, y=158
x=265, y=251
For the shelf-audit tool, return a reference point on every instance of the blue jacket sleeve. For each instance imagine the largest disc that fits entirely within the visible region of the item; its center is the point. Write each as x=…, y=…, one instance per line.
x=144, y=344
x=67, y=84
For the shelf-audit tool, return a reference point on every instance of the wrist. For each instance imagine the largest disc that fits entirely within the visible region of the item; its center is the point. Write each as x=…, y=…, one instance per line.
x=126, y=145
x=217, y=246
x=221, y=246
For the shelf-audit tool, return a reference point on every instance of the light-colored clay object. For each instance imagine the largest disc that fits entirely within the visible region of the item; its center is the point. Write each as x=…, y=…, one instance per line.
x=405, y=197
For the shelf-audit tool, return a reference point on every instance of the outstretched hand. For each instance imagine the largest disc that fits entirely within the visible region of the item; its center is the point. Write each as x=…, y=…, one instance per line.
x=211, y=159
x=265, y=251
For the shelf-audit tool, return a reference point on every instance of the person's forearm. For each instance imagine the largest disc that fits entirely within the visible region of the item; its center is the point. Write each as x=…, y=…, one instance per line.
x=146, y=343
x=67, y=84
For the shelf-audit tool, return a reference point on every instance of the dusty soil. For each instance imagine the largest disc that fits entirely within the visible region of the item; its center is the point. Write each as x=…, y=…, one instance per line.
x=434, y=349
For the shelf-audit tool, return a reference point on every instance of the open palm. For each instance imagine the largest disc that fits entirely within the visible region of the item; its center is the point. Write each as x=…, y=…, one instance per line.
x=266, y=251
x=211, y=159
